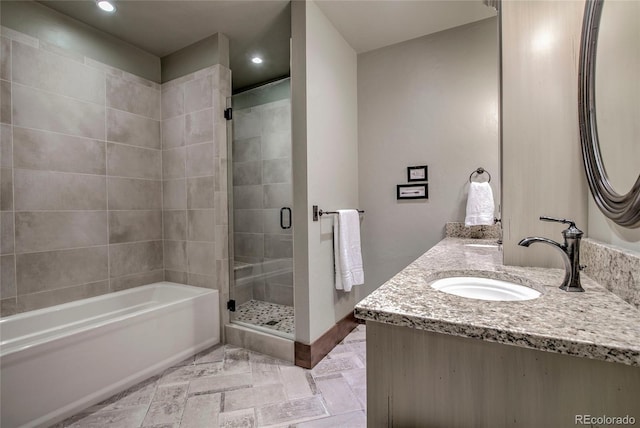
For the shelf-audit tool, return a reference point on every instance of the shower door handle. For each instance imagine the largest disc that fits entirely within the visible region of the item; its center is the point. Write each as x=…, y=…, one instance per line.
x=282, y=211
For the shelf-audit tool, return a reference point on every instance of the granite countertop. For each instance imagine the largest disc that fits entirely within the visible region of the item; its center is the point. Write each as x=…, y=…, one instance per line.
x=595, y=324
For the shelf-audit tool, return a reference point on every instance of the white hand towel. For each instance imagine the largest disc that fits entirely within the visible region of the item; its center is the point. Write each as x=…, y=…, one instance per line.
x=347, y=251
x=480, y=205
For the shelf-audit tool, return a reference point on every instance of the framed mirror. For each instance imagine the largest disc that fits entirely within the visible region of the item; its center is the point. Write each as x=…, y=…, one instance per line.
x=611, y=145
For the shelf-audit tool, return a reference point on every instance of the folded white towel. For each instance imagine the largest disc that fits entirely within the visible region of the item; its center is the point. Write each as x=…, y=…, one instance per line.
x=480, y=205
x=347, y=252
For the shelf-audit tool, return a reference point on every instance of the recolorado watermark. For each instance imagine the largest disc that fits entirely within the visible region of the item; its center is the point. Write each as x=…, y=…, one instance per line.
x=604, y=420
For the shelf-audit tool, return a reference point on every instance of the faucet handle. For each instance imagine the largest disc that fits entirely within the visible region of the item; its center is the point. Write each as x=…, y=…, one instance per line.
x=571, y=232
x=571, y=223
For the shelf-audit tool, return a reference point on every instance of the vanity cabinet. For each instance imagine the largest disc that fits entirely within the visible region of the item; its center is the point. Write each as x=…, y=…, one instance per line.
x=439, y=360
x=417, y=378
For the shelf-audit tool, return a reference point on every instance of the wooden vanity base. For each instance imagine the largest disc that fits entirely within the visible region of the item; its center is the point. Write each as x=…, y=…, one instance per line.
x=417, y=378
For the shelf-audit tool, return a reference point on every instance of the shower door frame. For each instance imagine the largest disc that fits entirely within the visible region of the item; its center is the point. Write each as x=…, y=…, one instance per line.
x=232, y=304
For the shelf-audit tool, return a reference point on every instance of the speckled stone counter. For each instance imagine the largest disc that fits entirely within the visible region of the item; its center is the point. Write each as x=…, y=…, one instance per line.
x=595, y=324
x=613, y=267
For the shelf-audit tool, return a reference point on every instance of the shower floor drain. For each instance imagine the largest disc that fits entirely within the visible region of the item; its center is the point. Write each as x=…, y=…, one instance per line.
x=268, y=315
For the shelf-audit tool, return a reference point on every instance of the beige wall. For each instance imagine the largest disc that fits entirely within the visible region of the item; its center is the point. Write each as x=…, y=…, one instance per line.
x=325, y=159
x=541, y=165
x=434, y=101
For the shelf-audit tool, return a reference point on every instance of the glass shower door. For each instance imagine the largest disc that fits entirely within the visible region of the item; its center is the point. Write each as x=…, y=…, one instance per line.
x=262, y=282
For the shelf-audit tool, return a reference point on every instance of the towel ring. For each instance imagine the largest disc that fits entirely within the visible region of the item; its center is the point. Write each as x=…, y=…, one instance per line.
x=480, y=171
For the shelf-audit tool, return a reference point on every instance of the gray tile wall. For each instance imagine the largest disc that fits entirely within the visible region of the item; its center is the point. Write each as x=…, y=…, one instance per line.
x=262, y=184
x=194, y=174
x=81, y=177
x=107, y=181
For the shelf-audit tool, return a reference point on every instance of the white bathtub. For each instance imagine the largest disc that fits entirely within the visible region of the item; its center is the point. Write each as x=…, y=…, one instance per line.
x=59, y=360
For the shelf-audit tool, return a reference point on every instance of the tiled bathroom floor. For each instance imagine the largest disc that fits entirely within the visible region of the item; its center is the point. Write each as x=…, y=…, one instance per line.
x=265, y=314
x=226, y=386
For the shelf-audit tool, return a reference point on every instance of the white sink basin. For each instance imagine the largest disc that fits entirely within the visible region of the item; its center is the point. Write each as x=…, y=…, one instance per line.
x=485, y=289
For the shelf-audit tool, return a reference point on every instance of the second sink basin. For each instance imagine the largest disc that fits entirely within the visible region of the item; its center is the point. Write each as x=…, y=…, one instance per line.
x=485, y=289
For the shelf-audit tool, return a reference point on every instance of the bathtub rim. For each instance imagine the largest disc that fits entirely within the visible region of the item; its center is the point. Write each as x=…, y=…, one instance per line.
x=6, y=355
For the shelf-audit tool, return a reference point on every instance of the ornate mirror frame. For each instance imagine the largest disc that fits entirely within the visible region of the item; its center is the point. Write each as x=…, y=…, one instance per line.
x=624, y=209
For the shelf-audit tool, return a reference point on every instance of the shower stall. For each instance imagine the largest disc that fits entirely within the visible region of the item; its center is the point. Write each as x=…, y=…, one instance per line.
x=261, y=229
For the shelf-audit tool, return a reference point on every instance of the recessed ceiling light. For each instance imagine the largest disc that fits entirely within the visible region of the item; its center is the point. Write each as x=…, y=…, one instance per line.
x=105, y=5
x=256, y=60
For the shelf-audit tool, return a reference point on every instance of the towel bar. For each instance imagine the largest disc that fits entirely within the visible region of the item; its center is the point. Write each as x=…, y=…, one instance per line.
x=480, y=171
x=319, y=213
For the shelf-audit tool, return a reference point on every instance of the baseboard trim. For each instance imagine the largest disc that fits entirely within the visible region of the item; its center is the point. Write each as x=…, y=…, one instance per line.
x=307, y=356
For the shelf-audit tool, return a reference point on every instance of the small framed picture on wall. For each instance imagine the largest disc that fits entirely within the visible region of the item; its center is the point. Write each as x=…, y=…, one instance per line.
x=417, y=173
x=412, y=191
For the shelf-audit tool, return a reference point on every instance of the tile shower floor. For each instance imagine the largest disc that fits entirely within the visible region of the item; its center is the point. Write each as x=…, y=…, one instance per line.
x=265, y=314
x=227, y=386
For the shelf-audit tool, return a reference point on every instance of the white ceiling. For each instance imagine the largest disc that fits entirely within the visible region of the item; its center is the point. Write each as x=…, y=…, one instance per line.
x=264, y=26
x=372, y=24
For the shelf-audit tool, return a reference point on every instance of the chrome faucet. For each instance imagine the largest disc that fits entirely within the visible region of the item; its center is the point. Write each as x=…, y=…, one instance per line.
x=570, y=251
